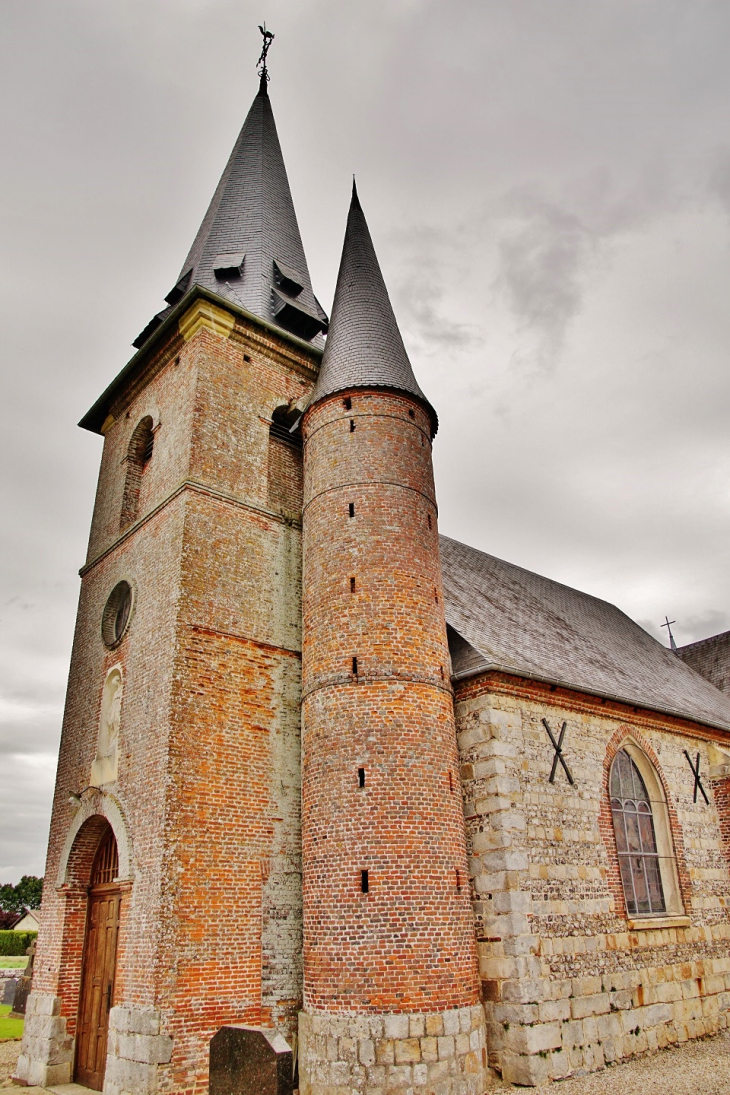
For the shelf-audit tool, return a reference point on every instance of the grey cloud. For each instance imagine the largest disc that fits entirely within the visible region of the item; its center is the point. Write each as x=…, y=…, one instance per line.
x=542, y=256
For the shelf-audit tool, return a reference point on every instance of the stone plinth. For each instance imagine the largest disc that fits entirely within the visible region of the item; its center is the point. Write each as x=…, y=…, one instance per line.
x=401, y=1054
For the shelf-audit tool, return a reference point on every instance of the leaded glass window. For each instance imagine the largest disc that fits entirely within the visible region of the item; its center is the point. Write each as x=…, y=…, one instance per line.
x=635, y=839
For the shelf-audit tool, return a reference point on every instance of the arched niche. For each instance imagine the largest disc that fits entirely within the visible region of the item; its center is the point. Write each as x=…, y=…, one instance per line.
x=104, y=768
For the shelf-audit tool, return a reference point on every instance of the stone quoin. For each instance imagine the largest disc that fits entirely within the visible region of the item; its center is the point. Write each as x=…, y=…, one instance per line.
x=308, y=780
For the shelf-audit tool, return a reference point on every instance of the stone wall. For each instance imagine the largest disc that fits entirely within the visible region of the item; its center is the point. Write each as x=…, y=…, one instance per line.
x=569, y=980
x=441, y=1052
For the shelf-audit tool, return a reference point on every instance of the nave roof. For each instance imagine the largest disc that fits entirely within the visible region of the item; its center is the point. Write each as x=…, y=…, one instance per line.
x=502, y=617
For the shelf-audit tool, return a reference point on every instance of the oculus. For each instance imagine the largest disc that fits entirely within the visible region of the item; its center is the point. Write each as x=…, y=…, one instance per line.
x=116, y=615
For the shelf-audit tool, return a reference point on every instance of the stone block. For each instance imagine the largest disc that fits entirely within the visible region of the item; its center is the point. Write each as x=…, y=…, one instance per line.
x=420, y=1075
x=396, y=1026
x=525, y=1071
x=385, y=1052
x=523, y=991
x=434, y=1025
x=429, y=1049
x=552, y=1010
x=446, y=1047
x=538, y=1039
x=597, y=1004
x=407, y=1051
x=416, y=1026
x=452, y=1022
x=366, y=1052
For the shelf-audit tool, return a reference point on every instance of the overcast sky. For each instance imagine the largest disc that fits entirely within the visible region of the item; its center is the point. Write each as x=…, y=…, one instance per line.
x=548, y=188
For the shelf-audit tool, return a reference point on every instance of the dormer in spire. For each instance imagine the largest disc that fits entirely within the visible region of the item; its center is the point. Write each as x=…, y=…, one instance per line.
x=364, y=346
x=250, y=234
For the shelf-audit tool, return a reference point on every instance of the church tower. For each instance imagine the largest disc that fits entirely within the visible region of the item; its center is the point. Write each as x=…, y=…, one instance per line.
x=390, y=975
x=172, y=902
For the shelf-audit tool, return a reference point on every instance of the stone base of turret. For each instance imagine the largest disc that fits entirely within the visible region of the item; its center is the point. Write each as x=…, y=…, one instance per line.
x=442, y=1051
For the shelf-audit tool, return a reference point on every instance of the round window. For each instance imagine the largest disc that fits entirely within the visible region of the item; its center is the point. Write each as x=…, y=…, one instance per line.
x=117, y=610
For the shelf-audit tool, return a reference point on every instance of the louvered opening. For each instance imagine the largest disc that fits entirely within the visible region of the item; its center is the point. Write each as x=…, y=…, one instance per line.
x=285, y=426
x=106, y=861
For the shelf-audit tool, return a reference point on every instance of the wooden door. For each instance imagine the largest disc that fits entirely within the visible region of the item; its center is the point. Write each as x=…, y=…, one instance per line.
x=97, y=985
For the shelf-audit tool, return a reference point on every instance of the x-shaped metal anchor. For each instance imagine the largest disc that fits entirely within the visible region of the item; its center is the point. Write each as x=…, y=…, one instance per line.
x=696, y=773
x=558, y=747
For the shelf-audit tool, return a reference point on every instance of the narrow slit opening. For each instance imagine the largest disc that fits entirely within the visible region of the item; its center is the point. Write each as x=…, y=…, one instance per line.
x=347, y=403
x=451, y=782
x=352, y=425
x=412, y=413
x=429, y=520
x=364, y=882
x=354, y=666
x=458, y=879
x=361, y=777
x=352, y=585
x=352, y=509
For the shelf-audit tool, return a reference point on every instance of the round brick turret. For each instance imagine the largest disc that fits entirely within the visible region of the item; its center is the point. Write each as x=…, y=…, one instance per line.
x=388, y=927
x=390, y=973
x=381, y=790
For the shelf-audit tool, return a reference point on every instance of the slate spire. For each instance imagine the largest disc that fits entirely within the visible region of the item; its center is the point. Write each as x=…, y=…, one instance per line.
x=248, y=248
x=364, y=346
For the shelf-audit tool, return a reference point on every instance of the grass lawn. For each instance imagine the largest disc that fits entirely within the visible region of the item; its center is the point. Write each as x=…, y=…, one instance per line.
x=10, y=1029
x=7, y=963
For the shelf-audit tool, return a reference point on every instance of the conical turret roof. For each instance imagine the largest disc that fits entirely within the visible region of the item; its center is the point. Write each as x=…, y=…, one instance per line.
x=248, y=248
x=364, y=346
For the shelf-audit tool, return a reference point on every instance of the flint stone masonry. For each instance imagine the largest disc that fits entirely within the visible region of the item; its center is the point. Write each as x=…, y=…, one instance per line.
x=416, y=1054
x=570, y=982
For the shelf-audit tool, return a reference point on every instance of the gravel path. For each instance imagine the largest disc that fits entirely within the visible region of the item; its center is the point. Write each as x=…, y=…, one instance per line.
x=9, y=1053
x=695, y=1068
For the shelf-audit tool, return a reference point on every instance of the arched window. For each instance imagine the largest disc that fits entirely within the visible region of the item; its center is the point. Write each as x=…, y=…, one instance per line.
x=139, y=454
x=643, y=836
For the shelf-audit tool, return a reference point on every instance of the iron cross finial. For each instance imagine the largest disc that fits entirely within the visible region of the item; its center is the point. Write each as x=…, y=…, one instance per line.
x=668, y=624
x=261, y=63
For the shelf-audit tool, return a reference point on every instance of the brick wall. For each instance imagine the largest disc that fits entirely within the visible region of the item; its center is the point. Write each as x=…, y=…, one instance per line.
x=208, y=786
x=391, y=717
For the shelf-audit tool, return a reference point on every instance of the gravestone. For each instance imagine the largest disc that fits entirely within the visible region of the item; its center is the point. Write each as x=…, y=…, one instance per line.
x=9, y=987
x=23, y=987
x=250, y=1061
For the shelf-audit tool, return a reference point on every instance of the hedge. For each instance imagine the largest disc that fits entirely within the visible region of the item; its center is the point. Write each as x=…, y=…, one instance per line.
x=15, y=943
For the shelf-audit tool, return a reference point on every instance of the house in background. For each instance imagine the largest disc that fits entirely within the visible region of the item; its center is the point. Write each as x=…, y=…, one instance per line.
x=27, y=922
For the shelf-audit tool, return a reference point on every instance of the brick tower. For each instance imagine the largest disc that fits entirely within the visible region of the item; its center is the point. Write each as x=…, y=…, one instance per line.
x=390, y=974
x=172, y=902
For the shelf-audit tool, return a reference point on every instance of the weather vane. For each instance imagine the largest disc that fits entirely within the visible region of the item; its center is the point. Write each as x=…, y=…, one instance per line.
x=668, y=624
x=261, y=63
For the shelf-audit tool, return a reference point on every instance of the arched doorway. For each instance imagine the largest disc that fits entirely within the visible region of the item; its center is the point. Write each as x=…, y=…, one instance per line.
x=99, y=965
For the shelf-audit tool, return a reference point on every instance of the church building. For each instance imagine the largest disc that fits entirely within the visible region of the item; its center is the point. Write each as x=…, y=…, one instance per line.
x=422, y=813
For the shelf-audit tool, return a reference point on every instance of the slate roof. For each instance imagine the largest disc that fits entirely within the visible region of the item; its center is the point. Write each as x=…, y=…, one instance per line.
x=710, y=658
x=248, y=248
x=505, y=618
x=364, y=346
